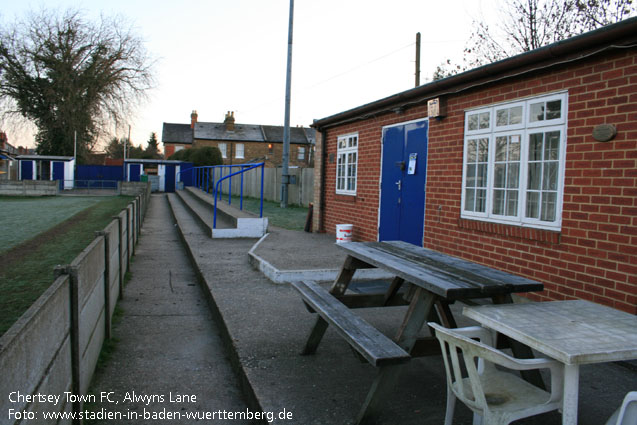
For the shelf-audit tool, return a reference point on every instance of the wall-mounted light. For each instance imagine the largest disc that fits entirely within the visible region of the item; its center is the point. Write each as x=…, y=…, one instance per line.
x=604, y=132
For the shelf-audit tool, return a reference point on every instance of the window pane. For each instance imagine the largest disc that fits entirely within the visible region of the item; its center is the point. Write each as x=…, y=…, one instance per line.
x=512, y=203
x=532, y=205
x=481, y=178
x=502, y=117
x=513, y=176
x=484, y=120
x=549, y=179
x=535, y=176
x=501, y=148
x=469, y=200
x=548, y=206
x=536, y=112
x=473, y=122
x=514, y=147
x=471, y=175
x=535, y=146
x=481, y=200
x=483, y=150
x=552, y=146
x=553, y=109
x=515, y=115
x=499, y=175
x=498, y=202
x=471, y=150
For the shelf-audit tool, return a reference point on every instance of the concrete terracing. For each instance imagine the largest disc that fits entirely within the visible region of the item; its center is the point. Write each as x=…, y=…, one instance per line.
x=230, y=222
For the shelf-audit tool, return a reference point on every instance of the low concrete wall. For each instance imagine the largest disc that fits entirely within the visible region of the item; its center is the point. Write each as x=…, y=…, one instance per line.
x=29, y=188
x=53, y=348
x=133, y=188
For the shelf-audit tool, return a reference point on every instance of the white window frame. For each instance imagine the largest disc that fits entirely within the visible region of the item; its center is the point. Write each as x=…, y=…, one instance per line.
x=525, y=129
x=239, y=151
x=301, y=153
x=223, y=147
x=347, y=146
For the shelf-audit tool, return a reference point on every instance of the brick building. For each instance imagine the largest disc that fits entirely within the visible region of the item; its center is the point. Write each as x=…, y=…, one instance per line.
x=528, y=165
x=241, y=143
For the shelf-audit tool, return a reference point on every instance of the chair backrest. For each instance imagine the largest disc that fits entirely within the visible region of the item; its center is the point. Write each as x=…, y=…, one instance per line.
x=451, y=342
x=627, y=413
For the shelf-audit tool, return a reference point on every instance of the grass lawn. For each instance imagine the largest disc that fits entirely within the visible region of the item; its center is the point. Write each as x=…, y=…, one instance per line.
x=24, y=217
x=293, y=217
x=27, y=268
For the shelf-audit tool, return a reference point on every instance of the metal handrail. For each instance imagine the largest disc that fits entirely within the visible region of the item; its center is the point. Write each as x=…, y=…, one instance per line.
x=202, y=180
x=244, y=168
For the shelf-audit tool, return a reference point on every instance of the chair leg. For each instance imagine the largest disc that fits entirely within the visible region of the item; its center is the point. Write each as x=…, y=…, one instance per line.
x=477, y=419
x=451, y=405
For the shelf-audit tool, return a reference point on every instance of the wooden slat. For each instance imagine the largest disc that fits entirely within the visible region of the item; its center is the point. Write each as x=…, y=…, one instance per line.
x=444, y=275
x=377, y=348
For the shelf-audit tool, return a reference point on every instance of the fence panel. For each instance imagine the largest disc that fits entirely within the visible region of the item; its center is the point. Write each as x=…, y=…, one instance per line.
x=300, y=193
x=87, y=276
x=35, y=353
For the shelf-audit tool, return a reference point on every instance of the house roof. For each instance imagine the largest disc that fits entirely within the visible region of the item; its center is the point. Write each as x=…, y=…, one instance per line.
x=252, y=133
x=621, y=35
x=176, y=133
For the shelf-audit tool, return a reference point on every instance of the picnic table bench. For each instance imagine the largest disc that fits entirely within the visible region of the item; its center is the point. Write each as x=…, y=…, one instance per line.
x=434, y=280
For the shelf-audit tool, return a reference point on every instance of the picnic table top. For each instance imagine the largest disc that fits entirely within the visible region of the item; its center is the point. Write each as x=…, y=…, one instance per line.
x=447, y=276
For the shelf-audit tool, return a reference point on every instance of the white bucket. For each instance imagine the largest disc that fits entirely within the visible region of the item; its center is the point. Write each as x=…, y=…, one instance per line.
x=344, y=233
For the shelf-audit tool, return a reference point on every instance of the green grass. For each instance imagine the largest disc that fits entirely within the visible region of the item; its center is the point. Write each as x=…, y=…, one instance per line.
x=24, y=277
x=23, y=218
x=293, y=217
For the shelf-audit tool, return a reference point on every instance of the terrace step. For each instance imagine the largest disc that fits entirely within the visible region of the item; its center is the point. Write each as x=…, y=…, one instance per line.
x=231, y=222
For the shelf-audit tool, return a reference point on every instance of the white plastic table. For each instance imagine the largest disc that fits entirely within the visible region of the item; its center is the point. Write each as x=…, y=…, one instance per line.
x=573, y=332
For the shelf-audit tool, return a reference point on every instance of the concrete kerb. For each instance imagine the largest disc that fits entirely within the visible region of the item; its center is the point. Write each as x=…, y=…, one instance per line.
x=319, y=275
x=251, y=398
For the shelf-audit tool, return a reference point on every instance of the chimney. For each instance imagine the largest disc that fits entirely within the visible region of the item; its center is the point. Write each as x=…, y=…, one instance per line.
x=193, y=119
x=229, y=121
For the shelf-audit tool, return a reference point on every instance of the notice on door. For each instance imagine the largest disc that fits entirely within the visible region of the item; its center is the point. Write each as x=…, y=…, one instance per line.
x=412, y=163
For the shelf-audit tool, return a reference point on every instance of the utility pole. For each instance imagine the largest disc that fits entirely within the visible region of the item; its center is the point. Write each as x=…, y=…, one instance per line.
x=285, y=176
x=417, y=59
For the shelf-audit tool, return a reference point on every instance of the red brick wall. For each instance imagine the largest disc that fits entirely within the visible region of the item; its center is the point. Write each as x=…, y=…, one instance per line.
x=594, y=257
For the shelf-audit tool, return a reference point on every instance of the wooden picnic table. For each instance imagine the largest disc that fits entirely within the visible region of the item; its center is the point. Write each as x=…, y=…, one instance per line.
x=434, y=280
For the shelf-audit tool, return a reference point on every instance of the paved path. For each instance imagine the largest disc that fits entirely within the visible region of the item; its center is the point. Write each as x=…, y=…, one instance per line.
x=168, y=343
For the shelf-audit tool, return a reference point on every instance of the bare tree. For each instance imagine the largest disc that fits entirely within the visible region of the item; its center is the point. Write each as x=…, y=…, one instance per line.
x=526, y=25
x=70, y=76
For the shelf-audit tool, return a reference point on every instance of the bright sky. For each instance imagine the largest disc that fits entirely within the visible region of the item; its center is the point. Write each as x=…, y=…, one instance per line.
x=216, y=56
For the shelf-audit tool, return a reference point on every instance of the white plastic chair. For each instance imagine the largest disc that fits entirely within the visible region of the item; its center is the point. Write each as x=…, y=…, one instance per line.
x=495, y=396
x=627, y=413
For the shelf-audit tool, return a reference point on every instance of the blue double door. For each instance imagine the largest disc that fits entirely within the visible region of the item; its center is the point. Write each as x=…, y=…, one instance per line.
x=403, y=181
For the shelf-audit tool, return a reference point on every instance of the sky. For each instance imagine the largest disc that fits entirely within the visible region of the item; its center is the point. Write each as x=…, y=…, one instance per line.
x=217, y=56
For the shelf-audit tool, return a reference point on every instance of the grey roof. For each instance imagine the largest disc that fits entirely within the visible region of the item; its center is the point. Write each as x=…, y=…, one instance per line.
x=217, y=131
x=176, y=133
x=252, y=133
x=297, y=134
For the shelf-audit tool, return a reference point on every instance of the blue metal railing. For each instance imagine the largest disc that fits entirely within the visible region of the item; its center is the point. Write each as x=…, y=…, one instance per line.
x=204, y=178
